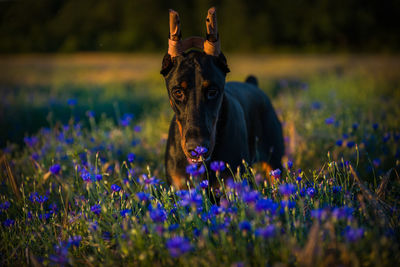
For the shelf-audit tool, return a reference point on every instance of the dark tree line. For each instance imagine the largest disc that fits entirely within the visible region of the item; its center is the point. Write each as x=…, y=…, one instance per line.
x=142, y=25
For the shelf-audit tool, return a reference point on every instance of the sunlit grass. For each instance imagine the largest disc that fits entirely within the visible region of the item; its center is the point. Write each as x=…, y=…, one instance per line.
x=73, y=193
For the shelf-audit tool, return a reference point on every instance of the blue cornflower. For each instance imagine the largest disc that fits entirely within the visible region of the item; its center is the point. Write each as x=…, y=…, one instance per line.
x=178, y=246
x=319, y=214
x=298, y=179
x=5, y=206
x=276, y=173
x=265, y=204
x=99, y=177
x=311, y=192
x=142, y=196
x=61, y=254
x=125, y=212
x=217, y=166
x=199, y=151
x=342, y=213
x=204, y=184
x=376, y=162
x=339, y=142
x=266, y=232
x=336, y=189
x=195, y=170
x=158, y=214
x=355, y=126
x=8, y=222
x=115, y=188
x=250, y=197
x=287, y=189
x=131, y=157
x=329, y=120
x=173, y=227
x=85, y=175
x=350, y=144
x=375, y=126
x=386, y=137
x=126, y=119
x=245, y=226
x=72, y=102
x=90, y=113
x=353, y=234
x=216, y=210
x=137, y=128
x=31, y=141
x=55, y=169
x=289, y=204
x=316, y=105
x=35, y=197
x=75, y=240
x=96, y=209
x=149, y=181
x=289, y=164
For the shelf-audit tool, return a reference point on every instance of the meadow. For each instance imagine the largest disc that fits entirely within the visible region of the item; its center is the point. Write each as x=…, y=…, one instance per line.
x=82, y=139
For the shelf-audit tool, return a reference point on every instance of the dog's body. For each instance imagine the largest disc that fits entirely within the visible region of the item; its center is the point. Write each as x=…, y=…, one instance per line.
x=233, y=121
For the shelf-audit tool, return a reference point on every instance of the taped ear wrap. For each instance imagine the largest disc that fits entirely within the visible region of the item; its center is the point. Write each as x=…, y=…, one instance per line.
x=211, y=46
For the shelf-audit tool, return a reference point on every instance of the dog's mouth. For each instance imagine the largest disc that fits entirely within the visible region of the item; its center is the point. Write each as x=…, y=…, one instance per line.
x=198, y=159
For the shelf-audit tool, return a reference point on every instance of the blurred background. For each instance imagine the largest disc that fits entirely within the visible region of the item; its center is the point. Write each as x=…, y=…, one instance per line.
x=246, y=26
x=331, y=68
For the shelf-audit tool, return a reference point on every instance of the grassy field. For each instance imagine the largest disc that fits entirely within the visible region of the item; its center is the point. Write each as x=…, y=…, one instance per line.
x=82, y=139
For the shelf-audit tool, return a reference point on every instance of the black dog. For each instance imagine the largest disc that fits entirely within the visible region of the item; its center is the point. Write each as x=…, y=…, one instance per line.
x=234, y=121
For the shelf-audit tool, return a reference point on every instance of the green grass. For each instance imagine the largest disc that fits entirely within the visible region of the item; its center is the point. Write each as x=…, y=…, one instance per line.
x=305, y=91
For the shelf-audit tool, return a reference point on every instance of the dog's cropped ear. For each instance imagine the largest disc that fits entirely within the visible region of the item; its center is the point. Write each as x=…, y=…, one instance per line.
x=221, y=63
x=166, y=64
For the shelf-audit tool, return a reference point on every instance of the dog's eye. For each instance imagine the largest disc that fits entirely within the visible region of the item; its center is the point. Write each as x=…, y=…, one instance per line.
x=212, y=93
x=178, y=94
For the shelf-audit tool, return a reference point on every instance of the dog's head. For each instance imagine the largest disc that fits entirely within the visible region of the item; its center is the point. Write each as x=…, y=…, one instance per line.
x=195, y=81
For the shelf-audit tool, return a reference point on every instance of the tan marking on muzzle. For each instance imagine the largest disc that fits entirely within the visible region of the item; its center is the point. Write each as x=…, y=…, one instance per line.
x=184, y=84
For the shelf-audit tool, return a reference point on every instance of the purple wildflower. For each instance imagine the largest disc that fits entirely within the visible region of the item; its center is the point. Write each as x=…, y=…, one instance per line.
x=142, y=196
x=289, y=164
x=8, y=222
x=245, y=226
x=329, y=120
x=276, y=173
x=75, y=240
x=178, y=246
x=61, y=254
x=195, y=170
x=311, y=192
x=31, y=141
x=157, y=214
x=125, y=212
x=5, y=206
x=287, y=189
x=350, y=144
x=266, y=232
x=115, y=188
x=96, y=209
x=90, y=113
x=204, y=184
x=339, y=142
x=353, y=234
x=55, y=169
x=217, y=166
x=72, y=102
x=199, y=151
x=131, y=157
